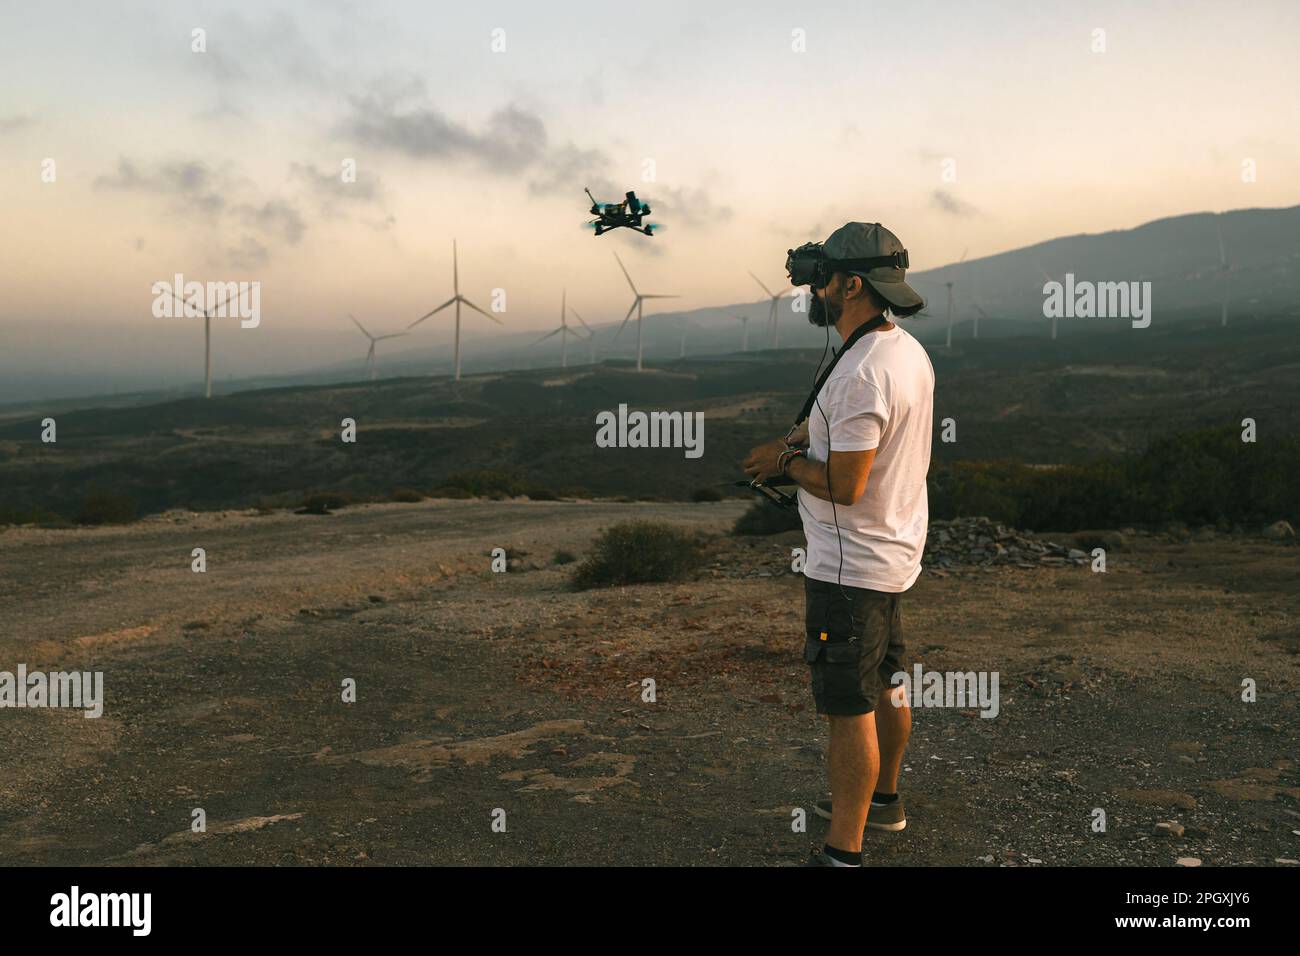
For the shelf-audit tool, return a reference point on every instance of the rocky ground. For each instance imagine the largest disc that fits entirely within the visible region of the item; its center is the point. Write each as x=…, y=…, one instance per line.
x=484, y=696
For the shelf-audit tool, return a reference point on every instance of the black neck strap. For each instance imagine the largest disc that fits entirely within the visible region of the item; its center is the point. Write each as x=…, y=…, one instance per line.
x=856, y=334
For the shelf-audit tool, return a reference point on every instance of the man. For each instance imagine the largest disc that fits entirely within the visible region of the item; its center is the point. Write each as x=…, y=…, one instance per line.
x=860, y=461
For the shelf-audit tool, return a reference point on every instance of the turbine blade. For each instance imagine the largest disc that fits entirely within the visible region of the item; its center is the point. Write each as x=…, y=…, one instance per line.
x=186, y=306
x=360, y=326
x=232, y=295
x=433, y=313
x=635, y=303
x=471, y=305
x=579, y=318
x=548, y=335
x=760, y=283
x=625, y=275
x=649, y=295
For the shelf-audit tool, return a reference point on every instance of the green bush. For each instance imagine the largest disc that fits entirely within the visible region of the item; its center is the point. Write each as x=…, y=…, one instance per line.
x=407, y=495
x=706, y=494
x=766, y=518
x=42, y=517
x=564, y=557
x=489, y=483
x=1200, y=477
x=446, y=491
x=323, y=502
x=106, y=507
x=639, y=552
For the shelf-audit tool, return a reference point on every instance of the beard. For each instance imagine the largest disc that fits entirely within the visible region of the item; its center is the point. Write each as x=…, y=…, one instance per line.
x=824, y=311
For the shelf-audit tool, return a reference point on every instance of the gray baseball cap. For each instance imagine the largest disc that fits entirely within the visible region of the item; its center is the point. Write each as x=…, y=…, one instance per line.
x=865, y=240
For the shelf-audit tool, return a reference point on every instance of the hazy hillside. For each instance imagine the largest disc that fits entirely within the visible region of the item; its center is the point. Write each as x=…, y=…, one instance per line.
x=1179, y=256
x=1028, y=400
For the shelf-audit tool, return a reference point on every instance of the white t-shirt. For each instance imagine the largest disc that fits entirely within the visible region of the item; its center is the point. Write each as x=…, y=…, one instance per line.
x=880, y=395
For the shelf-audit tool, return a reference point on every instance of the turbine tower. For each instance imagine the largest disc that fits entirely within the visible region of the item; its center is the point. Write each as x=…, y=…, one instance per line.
x=207, y=314
x=744, y=332
x=1049, y=279
x=457, y=299
x=370, y=353
x=1224, y=269
x=636, y=307
x=949, y=284
x=563, y=331
x=775, y=298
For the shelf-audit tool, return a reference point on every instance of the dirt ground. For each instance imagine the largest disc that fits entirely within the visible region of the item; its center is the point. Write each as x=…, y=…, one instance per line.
x=479, y=692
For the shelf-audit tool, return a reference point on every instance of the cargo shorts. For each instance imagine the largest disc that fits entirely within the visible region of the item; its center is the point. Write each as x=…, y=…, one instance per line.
x=853, y=645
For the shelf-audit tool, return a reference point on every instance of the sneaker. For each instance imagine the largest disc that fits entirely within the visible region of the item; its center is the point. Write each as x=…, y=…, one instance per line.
x=890, y=817
x=820, y=858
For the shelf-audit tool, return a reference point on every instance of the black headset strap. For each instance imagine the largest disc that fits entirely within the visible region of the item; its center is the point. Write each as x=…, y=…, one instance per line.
x=898, y=260
x=856, y=334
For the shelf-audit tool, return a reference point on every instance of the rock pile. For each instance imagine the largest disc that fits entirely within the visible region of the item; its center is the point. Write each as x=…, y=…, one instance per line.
x=981, y=542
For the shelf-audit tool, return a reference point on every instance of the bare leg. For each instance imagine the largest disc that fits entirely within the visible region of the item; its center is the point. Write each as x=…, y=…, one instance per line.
x=893, y=728
x=854, y=763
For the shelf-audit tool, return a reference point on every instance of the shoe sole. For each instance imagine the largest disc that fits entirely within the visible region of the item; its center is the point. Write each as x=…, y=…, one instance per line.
x=886, y=827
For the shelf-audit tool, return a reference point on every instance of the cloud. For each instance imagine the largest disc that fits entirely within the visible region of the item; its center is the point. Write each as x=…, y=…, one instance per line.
x=330, y=187
x=511, y=139
x=694, y=207
x=249, y=254
x=224, y=109
x=273, y=50
x=275, y=218
x=11, y=124
x=568, y=169
x=191, y=181
x=222, y=197
x=946, y=202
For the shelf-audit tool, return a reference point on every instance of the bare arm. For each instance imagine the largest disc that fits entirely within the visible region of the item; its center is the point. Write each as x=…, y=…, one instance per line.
x=845, y=474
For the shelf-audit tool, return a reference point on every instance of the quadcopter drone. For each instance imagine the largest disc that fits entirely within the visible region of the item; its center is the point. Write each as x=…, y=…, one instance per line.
x=612, y=215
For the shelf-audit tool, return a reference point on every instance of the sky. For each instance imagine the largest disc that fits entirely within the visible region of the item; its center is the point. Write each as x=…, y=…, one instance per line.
x=750, y=127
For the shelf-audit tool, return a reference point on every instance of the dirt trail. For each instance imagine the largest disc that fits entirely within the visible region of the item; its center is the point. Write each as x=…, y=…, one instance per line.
x=479, y=692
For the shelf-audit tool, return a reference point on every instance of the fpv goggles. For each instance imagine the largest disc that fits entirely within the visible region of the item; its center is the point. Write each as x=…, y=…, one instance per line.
x=808, y=265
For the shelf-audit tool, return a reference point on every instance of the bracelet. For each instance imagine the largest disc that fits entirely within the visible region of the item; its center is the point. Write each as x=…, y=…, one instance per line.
x=790, y=454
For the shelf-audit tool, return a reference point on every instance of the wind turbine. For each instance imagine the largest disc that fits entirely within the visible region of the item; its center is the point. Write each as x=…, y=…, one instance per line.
x=457, y=300
x=744, y=329
x=563, y=332
x=978, y=312
x=1049, y=279
x=948, y=284
x=636, y=307
x=1224, y=270
x=775, y=297
x=591, y=336
x=207, y=337
x=370, y=353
